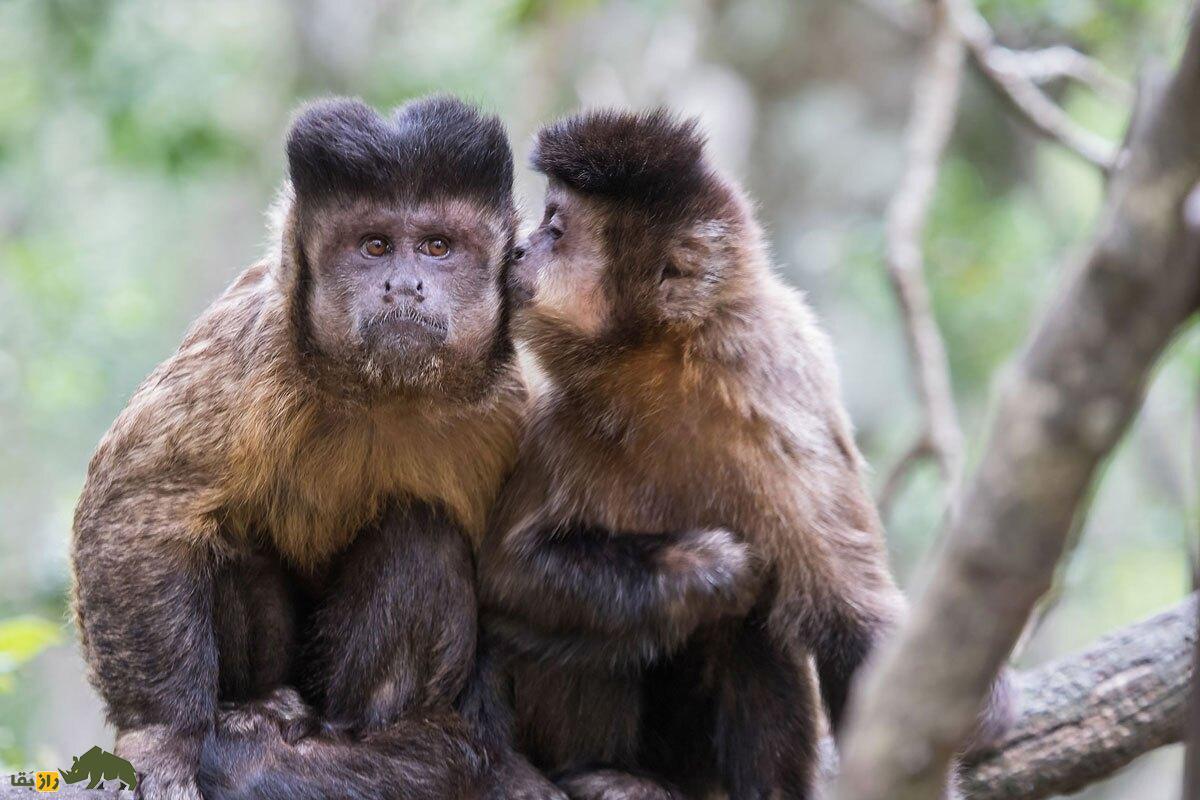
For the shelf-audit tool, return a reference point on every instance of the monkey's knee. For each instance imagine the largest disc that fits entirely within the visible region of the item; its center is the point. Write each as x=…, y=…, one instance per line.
x=613, y=784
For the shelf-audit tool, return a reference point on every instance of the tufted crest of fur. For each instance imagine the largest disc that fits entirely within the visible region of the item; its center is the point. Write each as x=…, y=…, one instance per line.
x=435, y=147
x=653, y=160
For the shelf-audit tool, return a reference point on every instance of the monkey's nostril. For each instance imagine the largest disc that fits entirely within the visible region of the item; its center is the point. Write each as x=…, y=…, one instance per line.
x=420, y=286
x=387, y=286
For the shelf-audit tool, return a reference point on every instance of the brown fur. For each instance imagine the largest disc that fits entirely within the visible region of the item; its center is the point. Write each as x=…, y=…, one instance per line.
x=689, y=390
x=286, y=500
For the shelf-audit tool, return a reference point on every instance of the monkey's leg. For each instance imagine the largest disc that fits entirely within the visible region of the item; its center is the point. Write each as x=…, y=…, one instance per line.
x=255, y=623
x=395, y=633
x=569, y=718
x=765, y=718
x=144, y=600
x=487, y=705
x=634, y=588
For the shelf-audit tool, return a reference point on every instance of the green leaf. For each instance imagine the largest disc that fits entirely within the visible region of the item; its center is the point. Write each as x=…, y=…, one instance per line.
x=22, y=638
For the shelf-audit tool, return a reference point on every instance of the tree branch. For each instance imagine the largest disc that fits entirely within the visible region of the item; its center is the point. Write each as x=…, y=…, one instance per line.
x=1017, y=74
x=1086, y=716
x=1057, y=62
x=1002, y=69
x=935, y=107
x=1063, y=406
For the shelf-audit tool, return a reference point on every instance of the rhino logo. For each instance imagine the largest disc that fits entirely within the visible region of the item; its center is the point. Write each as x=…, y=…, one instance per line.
x=100, y=765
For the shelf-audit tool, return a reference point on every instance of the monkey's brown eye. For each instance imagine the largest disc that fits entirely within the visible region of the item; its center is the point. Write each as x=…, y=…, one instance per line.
x=375, y=246
x=671, y=271
x=436, y=246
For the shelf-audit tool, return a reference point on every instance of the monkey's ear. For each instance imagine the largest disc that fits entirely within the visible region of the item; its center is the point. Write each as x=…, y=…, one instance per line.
x=694, y=270
x=339, y=145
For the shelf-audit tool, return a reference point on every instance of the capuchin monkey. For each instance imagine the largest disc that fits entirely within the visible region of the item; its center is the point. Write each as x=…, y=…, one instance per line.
x=685, y=562
x=292, y=498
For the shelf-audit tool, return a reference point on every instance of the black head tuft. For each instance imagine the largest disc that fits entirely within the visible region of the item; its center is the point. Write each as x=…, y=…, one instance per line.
x=430, y=148
x=653, y=159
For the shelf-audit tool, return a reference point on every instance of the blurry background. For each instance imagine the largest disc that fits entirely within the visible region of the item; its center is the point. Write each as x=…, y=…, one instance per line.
x=140, y=142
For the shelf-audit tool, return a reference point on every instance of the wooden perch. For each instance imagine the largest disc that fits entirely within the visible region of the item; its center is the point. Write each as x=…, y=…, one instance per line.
x=1061, y=408
x=1085, y=716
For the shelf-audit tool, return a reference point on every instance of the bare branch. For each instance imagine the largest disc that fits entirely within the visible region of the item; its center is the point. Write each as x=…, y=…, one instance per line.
x=935, y=107
x=1085, y=716
x=1063, y=406
x=1191, y=765
x=899, y=473
x=1057, y=62
x=1016, y=75
x=1002, y=69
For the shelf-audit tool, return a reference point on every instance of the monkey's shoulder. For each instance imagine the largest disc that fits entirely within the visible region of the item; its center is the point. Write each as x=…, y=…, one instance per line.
x=175, y=429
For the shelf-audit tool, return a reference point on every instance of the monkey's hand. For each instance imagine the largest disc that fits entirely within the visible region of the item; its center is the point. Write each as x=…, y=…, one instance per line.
x=714, y=572
x=514, y=778
x=611, y=784
x=166, y=762
x=282, y=712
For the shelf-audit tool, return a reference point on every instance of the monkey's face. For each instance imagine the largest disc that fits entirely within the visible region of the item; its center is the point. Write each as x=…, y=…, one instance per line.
x=409, y=294
x=557, y=279
x=404, y=224
x=598, y=273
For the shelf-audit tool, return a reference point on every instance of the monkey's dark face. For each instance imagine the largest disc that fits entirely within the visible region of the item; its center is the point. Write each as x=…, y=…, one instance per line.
x=409, y=295
x=404, y=225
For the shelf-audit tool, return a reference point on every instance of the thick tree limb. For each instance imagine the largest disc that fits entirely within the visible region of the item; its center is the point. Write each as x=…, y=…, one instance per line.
x=1085, y=716
x=935, y=108
x=1063, y=406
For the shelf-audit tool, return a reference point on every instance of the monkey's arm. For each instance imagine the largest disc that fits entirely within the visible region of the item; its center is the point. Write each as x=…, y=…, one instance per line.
x=144, y=604
x=642, y=591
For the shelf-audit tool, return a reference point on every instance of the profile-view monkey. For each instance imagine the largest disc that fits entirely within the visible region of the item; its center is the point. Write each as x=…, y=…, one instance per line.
x=291, y=499
x=687, y=524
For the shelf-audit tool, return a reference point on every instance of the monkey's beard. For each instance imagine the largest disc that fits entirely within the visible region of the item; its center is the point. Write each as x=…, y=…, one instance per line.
x=404, y=350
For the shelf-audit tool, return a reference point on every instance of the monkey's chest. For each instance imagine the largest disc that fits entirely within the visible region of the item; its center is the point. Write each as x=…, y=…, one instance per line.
x=655, y=487
x=316, y=502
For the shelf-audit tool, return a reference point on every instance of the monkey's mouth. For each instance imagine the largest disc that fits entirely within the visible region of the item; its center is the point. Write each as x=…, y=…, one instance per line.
x=408, y=325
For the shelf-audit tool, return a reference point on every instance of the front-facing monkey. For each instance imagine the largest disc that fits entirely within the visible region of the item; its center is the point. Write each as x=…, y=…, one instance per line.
x=686, y=524
x=290, y=499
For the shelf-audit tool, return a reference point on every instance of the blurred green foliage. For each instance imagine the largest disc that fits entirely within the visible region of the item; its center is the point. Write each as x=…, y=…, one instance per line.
x=140, y=143
x=21, y=639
